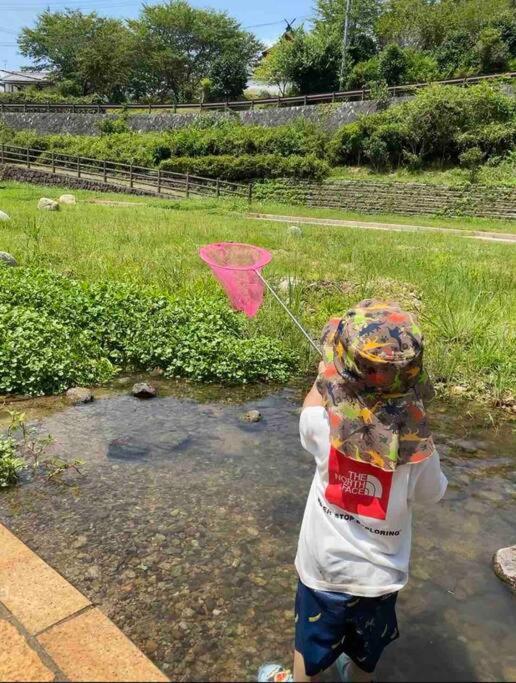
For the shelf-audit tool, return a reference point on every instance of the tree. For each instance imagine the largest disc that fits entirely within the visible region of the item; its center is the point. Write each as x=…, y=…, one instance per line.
x=492, y=53
x=306, y=62
x=91, y=54
x=228, y=77
x=392, y=65
x=179, y=45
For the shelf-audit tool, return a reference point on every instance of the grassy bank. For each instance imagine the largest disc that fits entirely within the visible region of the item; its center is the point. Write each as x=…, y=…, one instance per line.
x=463, y=289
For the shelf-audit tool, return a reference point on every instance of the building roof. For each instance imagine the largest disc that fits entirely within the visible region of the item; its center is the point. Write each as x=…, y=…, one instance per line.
x=25, y=77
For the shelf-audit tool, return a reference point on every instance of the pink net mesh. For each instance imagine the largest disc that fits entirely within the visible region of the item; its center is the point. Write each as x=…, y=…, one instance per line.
x=236, y=266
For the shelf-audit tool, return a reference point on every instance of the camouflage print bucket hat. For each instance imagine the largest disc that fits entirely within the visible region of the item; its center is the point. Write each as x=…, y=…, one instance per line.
x=374, y=386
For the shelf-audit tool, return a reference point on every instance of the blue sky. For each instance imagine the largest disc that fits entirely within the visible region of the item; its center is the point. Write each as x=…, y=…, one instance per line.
x=14, y=14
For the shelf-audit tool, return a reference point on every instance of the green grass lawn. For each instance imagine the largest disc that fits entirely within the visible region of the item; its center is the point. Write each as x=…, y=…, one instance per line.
x=463, y=289
x=503, y=174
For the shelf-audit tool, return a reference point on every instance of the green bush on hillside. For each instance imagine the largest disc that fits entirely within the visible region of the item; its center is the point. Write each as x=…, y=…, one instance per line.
x=249, y=166
x=56, y=332
x=435, y=127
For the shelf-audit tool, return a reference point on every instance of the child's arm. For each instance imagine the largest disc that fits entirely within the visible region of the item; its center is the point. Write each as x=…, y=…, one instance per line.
x=314, y=398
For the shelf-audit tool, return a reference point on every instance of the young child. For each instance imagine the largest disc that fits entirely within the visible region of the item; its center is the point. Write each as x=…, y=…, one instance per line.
x=364, y=422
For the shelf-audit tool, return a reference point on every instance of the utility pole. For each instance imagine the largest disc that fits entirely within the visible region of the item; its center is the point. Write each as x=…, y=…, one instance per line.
x=344, y=46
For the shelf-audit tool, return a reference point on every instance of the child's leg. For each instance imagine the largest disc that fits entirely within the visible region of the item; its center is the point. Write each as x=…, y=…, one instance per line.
x=299, y=669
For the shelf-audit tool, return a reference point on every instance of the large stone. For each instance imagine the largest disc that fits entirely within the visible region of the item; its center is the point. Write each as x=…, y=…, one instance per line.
x=67, y=199
x=504, y=564
x=143, y=390
x=4, y=216
x=78, y=395
x=7, y=259
x=47, y=204
x=253, y=416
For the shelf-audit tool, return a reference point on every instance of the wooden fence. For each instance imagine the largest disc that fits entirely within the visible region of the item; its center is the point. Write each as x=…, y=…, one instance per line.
x=154, y=180
x=242, y=105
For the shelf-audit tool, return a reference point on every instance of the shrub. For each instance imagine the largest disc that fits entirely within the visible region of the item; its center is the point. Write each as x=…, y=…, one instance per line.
x=494, y=139
x=376, y=152
x=248, y=166
x=10, y=463
x=56, y=332
x=472, y=160
x=345, y=146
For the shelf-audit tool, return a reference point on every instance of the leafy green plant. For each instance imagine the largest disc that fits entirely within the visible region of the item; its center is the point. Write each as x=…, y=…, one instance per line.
x=10, y=463
x=56, y=332
x=472, y=160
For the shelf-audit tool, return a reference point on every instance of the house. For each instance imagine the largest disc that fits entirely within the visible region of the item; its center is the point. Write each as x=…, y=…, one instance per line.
x=14, y=81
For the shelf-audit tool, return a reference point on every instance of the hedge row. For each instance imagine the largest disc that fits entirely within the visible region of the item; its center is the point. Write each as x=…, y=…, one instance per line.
x=249, y=166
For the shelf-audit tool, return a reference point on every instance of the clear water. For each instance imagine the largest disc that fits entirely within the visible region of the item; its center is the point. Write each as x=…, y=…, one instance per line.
x=184, y=525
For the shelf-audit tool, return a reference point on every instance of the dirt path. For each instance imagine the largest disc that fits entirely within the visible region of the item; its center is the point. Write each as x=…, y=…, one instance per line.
x=504, y=237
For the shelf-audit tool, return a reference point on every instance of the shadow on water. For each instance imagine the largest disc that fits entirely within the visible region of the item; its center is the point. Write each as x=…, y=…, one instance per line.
x=184, y=526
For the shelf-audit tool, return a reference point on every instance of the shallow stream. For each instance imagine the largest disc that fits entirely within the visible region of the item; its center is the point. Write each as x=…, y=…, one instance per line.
x=184, y=525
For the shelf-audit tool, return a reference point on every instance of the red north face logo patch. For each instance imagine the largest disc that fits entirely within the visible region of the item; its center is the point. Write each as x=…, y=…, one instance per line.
x=358, y=487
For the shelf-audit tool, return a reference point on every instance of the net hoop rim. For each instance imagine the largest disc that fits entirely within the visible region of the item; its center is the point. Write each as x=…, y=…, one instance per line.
x=265, y=256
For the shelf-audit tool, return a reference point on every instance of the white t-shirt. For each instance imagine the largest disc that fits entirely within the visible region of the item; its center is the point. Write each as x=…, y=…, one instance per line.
x=340, y=548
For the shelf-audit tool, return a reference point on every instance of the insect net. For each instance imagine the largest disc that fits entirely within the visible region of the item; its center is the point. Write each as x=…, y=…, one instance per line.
x=238, y=267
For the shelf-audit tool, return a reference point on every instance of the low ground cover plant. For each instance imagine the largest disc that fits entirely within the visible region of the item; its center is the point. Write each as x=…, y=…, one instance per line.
x=56, y=332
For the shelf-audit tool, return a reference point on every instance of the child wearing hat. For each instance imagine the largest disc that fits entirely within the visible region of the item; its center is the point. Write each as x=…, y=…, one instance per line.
x=364, y=422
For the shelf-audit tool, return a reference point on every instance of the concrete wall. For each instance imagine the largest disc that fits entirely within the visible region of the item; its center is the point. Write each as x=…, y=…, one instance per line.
x=328, y=116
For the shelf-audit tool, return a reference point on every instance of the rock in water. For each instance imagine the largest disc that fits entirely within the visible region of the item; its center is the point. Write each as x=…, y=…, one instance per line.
x=253, y=416
x=78, y=395
x=7, y=259
x=48, y=204
x=143, y=390
x=4, y=216
x=67, y=199
x=504, y=564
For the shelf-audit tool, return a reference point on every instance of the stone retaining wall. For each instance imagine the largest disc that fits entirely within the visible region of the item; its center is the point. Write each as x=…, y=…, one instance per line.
x=30, y=175
x=328, y=116
x=364, y=196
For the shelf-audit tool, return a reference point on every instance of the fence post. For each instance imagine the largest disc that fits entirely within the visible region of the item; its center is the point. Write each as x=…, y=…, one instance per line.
x=24, y=107
x=175, y=106
x=333, y=97
x=187, y=187
x=217, y=186
x=73, y=107
x=2, y=154
x=28, y=158
x=250, y=193
x=78, y=167
x=53, y=162
x=105, y=171
x=131, y=182
x=159, y=180
x=150, y=108
x=305, y=101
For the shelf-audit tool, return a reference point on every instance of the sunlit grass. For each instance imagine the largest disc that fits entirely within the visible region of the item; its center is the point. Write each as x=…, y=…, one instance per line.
x=463, y=289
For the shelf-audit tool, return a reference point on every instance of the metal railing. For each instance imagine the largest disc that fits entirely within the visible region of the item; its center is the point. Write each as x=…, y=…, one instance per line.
x=157, y=181
x=243, y=105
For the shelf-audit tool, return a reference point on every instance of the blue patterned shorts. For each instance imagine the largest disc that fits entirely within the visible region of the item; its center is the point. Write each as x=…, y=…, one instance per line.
x=328, y=624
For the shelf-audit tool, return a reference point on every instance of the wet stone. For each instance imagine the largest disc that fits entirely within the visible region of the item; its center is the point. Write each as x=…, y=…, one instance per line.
x=78, y=395
x=143, y=390
x=252, y=416
x=504, y=565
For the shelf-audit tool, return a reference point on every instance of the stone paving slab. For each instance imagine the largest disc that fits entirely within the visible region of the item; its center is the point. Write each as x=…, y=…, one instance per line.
x=89, y=647
x=49, y=631
x=32, y=591
x=18, y=661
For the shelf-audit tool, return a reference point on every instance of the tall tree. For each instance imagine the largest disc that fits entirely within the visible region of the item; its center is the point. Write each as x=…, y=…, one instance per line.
x=179, y=45
x=92, y=54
